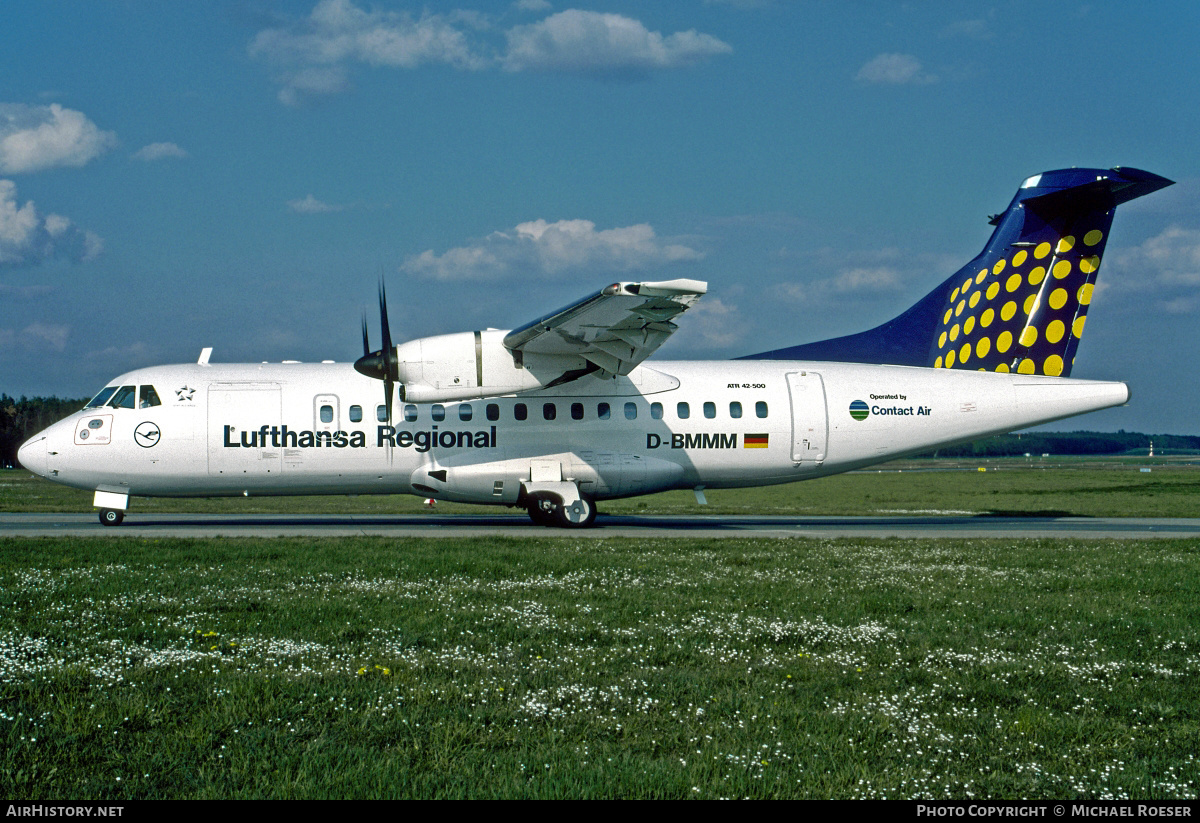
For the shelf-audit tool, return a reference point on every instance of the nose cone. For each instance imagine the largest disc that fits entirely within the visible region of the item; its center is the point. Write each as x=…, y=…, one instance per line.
x=33, y=455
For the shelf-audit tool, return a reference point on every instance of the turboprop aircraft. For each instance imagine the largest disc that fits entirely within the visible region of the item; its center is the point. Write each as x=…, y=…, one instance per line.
x=565, y=410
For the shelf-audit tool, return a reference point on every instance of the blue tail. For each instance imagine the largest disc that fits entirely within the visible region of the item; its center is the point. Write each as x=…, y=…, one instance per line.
x=1021, y=304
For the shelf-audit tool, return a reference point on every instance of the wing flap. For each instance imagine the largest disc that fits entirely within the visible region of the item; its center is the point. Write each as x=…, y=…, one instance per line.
x=614, y=329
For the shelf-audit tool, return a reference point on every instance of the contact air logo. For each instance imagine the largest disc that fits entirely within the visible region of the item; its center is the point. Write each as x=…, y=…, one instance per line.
x=859, y=410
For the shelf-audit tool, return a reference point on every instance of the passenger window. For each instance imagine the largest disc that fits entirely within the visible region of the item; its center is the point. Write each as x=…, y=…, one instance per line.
x=631, y=411
x=656, y=411
x=576, y=411
x=381, y=414
x=603, y=411
x=520, y=411
x=327, y=414
x=410, y=413
x=149, y=398
x=710, y=410
x=101, y=398
x=356, y=414
x=123, y=399
x=493, y=411
x=684, y=411
x=549, y=411
x=438, y=412
x=735, y=410
x=466, y=411
x=760, y=409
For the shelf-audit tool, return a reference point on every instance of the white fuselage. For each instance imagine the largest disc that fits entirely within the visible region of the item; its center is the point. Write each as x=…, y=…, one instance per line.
x=280, y=429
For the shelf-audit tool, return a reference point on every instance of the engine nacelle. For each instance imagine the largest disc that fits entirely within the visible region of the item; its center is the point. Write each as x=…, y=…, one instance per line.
x=471, y=365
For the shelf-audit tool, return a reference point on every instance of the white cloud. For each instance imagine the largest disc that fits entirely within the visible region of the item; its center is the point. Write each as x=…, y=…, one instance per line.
x=1171, y=258
x=895, y=70
x=975, y=29
x=159, y=151
x=33, y=138
x=311, y=205
x=587, y=42
x=312, y=57
x=27, y=238
x=311, y=54
x=550, y=249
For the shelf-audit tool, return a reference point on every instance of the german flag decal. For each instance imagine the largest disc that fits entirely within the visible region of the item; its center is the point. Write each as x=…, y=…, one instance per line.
x=754, y=441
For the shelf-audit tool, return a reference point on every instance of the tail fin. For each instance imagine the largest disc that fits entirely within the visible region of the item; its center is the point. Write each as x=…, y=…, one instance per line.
x=1021, y=304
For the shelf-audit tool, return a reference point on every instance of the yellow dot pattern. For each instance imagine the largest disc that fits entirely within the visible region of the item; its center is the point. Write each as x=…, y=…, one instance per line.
x=1024, y=310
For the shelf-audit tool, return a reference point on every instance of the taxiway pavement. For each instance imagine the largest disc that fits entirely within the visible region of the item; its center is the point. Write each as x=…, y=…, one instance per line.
x=435, y=525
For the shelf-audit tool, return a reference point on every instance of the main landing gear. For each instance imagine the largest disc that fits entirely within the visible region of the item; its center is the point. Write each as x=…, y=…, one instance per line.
x=111, y=517
x=547, y=509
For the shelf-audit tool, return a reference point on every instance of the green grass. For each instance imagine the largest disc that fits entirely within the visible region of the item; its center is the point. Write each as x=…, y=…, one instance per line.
x=500, y=667
x=1110, y=487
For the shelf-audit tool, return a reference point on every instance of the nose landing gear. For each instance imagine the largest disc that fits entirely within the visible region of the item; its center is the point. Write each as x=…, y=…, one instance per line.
x=111, y=517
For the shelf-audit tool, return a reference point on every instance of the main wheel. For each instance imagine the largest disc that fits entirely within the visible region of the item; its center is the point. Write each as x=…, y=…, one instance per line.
x=111, y=517
x=579, y=515
x=542, y=508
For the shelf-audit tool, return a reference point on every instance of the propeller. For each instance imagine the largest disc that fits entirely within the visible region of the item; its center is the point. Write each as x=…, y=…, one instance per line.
x=382, y=364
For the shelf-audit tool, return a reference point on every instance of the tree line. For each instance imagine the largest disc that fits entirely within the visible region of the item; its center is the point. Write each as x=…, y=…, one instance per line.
x=22, y=419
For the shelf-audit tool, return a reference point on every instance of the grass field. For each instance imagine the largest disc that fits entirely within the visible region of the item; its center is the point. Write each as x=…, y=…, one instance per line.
x=1108, y=487
x=137, y=668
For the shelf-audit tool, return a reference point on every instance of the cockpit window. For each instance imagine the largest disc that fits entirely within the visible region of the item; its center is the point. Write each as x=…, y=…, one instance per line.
x=101, y=398
x=149, y=398
x=124, y=397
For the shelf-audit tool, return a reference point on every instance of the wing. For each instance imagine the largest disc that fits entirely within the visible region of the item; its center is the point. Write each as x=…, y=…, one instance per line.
x=615, y=329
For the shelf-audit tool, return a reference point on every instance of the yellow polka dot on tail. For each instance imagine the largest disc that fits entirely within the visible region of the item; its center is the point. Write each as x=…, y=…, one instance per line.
x=1004, y=341
x=993, y=290
x=1062, y=268
x=964, y=354
x=983, y=347
x=986, y=319
x=950, y=359
x=1029, y=336
x=1003, y=367
x=967, y=326
x=1010, y=308
x=1085, y=293
x=1066, y=244
x=1031, y=303
x=1053, y=366
x=1058, y=298
x=1019, y=257
x=1089, y=264
x=1037, y=275
x=1041, y=251
x=1055, y=331
x=999, y=267
x=1013, y=283
x=974, y=301
x=1093, y=237
x=1026, y=367
x=1077, y=327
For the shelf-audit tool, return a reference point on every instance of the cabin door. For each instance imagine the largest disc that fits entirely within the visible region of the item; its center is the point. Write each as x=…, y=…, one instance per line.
x=810, y=421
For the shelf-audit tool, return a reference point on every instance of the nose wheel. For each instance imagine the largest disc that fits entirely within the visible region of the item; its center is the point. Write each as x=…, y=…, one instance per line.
x=111, y=517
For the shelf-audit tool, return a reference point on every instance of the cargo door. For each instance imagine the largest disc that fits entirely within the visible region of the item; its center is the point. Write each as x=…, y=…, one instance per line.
x=237, y=413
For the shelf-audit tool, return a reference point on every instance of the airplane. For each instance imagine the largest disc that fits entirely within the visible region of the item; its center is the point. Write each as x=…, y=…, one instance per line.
x=566, y=410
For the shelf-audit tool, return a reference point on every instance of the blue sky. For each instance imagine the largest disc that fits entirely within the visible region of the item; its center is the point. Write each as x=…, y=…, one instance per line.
x=239, y=174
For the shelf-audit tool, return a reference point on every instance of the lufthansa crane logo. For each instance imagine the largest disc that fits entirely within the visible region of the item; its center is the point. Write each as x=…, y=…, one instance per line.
x=146, y=435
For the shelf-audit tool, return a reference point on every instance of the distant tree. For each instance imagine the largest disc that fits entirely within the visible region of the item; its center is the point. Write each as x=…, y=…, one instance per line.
x=22, y=419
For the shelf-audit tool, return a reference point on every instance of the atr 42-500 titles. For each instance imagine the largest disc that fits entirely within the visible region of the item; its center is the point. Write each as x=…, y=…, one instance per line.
x=566, y=410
